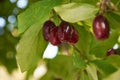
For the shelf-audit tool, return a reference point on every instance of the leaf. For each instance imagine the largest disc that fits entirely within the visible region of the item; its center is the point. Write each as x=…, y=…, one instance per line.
x=62, y=67
x=85, y=1
x=74, y=12
x=84, y=40
x=37, y=13
x=93, y=2
x=85, y=76
x=104, y=67
x=92, y=71
x=114, y=20
x=114, y=60
x=114, y=1
x=114, y=76
x=47, y=76
x=99, y=48
x=30, y=48
x=79, y=62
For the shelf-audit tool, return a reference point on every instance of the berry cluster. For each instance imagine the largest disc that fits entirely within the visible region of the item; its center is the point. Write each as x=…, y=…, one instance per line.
x=57, y=35
x=101, y=27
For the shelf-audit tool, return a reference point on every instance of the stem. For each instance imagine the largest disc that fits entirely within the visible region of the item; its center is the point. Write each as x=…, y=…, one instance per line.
x=104, y=6
x=51, y=14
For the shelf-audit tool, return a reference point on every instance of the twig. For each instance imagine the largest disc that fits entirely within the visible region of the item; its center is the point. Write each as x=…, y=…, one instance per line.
x=104, y=6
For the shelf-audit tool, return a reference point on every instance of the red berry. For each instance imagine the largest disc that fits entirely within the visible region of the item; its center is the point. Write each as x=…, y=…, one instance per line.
x=111, y=51
x=47, y=28
x=67, y=33
x=101, y=27
x=74, y=36
x=64, y=31
x=54, y=37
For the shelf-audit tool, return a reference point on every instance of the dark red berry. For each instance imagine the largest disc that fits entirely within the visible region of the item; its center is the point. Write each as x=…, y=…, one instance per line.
x=47, y=28
x=74, y=36
x=64, y=31
x=67, y=33
x=111, y=51
x=54, y=37
x=101, y=27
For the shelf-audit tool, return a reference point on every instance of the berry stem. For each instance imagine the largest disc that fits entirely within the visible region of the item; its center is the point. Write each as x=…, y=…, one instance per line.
x=56, y=14
x=51, y=14
x=107, y=5
x=104, y=6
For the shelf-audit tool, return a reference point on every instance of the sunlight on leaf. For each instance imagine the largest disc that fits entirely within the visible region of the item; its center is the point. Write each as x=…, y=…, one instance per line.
x=37, y=13
x=50, y=52
x=91, y=69
x=30, y=48
x=74, y=12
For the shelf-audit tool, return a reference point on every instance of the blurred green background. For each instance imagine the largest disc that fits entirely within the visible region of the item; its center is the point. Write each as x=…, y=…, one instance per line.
x=9, y=37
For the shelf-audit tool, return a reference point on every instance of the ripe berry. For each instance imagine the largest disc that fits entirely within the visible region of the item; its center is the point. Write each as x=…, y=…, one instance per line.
x=111, y=51
x=74, y=36
x=54, y=37
x=101, y=27
x=64, y=31
x=67, y=33
x=47, y=28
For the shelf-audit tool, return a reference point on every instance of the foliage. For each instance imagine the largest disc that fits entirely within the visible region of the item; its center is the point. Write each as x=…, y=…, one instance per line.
x=89, y=55
x=86, y=60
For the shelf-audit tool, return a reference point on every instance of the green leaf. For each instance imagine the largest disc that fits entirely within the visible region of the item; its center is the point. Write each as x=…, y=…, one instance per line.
x=85, y=1
x=74, y=12
x=62, y=67
x=104, y=67
x=93, y=2
x=99, y=48
x=30, y=48
x=37, y=13
x=79, y=62
x=48, y=76
x=114, y=1
x=114, y=60
x=113, y=20
x=114, y=76
x=85, y=76
x=84, y=40
x=92, y=71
